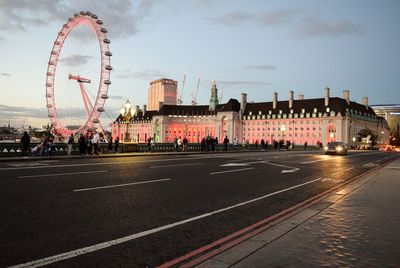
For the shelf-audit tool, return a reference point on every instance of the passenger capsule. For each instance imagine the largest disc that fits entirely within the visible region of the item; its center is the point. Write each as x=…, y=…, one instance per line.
x=100, y=109
x=48, y=95
x=82, y=13
x=96, y=121
x=61, y=34
x=100, y=22
x=107, y=41
x=104, y=96
x=94, y=16
x=108, y=67
x=51, y=62
x=76, y=15
x=103, y=30
x=57, y=43
x=49, y=74
x=107, y=82
x=108, y=53
x=48, y=85
x=49, y=105
x=54, y=52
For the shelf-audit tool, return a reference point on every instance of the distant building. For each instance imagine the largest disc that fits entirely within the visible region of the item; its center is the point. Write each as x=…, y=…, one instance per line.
x=391, y=112
x=162, y=91
x=302, y=120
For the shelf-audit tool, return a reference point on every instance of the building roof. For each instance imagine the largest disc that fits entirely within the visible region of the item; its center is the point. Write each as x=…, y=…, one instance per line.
x=335, y=104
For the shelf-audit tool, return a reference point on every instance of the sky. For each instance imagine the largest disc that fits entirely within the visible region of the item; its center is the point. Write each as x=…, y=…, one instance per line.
x=252, y=46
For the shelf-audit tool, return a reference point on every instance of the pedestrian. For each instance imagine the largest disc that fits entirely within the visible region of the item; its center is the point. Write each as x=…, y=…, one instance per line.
x=185, y=144
x=256, y=143
x=116, y=144
x=152, y=145
x=203, y=144
x=149, y=144
x=305, y=146
x=226, y=142
x=89, y=143
x=70, y=143
x=95, y=142
x=110, y=144
x=25, y=140
x=176, y=144
x=179, y=143
x=82, y=144
x=263, y=144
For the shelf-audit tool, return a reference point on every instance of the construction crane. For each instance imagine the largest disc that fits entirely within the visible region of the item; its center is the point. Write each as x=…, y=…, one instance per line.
x=180, y=99
x=194, y=95
x=220, y=96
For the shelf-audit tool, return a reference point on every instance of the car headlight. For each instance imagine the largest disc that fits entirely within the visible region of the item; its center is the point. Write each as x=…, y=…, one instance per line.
x=326, y=148
x=339, y=148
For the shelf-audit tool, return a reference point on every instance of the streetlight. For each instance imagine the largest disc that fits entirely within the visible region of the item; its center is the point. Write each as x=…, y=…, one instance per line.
x=127, y=112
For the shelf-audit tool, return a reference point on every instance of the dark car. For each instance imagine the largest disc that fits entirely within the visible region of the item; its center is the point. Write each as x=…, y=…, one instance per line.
x=336, y=147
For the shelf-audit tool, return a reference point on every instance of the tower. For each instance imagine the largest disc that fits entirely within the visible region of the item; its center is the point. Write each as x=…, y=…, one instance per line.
x=162, y=90
x=214, y=97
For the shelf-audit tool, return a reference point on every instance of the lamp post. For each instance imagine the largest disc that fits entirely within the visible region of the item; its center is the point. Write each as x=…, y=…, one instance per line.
x=127, y=114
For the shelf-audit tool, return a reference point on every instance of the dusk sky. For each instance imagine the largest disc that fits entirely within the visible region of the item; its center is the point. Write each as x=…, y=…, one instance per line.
x=253, y=46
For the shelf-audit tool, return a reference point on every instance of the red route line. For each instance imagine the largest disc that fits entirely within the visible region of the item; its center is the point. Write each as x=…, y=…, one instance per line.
x=256, y=228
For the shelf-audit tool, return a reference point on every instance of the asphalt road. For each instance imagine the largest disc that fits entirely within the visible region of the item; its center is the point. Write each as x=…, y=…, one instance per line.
x=146, y=210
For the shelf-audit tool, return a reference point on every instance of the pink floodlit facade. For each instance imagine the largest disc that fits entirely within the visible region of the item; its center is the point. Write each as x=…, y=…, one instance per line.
x=315, y=121
x=162, y=91
x=94, y=110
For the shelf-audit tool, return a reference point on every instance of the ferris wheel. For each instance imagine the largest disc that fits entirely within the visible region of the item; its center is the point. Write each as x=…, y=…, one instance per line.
x=78, y=81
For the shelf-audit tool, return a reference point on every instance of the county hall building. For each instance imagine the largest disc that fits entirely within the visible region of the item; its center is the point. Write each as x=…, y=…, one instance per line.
x=298, y=120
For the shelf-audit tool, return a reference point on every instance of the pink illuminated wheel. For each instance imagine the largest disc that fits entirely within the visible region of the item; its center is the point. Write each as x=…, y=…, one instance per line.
x=77, y=83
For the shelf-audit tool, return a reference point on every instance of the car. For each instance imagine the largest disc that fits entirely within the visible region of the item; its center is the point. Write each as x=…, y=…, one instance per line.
x=336, y=147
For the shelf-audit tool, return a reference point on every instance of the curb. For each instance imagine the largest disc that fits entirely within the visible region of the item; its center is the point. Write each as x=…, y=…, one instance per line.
x=209, y=251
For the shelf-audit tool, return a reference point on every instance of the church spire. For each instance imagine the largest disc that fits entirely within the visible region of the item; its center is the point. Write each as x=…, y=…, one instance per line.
x=214, y=97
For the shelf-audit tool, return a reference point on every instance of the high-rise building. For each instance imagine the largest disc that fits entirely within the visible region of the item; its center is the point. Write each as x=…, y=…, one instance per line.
x=162, y=91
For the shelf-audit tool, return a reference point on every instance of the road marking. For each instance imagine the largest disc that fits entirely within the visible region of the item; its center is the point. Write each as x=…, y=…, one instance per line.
x=177, y=165
x=371, y=165
x=329, y=158
x=62, y=174
x=241, y=164
x=340, y=171
x=99, y=163
x=233, y=170
x=119, y=185
x=96, y=247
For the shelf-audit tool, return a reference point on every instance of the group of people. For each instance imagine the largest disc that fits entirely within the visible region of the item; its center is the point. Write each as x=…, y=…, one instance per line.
x=181, y=144
x=45, y=147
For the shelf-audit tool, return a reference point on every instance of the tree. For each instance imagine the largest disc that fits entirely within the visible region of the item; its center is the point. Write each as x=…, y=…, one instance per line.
x=365, y=133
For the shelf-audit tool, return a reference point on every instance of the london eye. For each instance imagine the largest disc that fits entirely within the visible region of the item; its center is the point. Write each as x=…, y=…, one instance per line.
x=78, y=75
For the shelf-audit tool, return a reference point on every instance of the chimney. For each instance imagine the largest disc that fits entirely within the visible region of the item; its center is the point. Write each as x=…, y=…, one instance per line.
x=291, y=93
x=365, y=102
x=346, y=96
x=243, y=101
x=160, y=104
x=327, y=96
x=274, y=100
x=300, y=97
x=144, y=109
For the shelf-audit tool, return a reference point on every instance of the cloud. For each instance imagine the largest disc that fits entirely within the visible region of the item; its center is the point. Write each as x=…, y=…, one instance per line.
x=313, y=26
x=5, y=74
x=266, y=18
x=75, y=60
x=146, y=74
x=261, y=67
x=121, y=17
x=242, y=83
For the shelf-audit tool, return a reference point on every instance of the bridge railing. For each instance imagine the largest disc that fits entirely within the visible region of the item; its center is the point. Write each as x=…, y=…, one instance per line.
x=10, y=149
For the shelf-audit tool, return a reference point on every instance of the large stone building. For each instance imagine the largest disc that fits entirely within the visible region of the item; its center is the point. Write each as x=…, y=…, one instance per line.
x=299, y=120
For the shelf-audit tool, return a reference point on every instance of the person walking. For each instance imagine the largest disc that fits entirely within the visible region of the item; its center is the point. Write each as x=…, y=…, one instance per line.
x=185, y=144
x=70, y=144
x=226, y=142
x=25, y=140
x=149, y=144
x=95, y=142
x=110, y=144
x=82, y=144
x=116, y=144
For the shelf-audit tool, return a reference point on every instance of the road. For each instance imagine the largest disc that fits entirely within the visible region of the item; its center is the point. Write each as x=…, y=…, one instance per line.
x=146, y=210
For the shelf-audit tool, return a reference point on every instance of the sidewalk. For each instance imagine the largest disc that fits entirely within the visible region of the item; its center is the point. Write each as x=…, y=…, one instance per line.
x=358, y=226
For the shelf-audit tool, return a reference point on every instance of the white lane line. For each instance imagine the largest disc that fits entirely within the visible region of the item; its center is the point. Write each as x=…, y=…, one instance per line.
x=177, y=165
x=97, y=163
x=96, y=247
x=279, y=165
x=329, y=158
x=62, y=174
x=229, y=171
x=119, y=185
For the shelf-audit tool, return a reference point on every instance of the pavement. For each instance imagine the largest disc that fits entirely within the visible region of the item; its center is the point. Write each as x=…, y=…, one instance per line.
x=354, y=226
